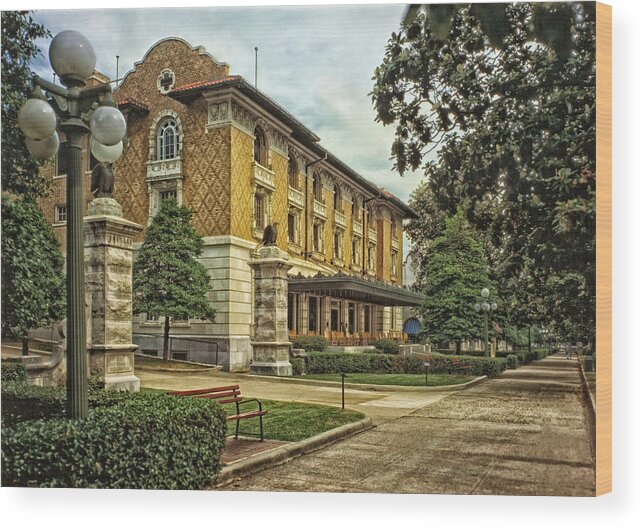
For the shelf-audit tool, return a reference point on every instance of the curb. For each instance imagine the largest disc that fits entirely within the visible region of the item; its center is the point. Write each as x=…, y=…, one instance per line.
x=367, y=387
x=279, y=455
x=174, y=371
x=591, y=406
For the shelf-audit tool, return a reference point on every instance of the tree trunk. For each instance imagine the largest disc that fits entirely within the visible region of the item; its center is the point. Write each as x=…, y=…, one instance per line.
x=529, y=336
x=166, y=338
x=25, y=345
x=458, y=347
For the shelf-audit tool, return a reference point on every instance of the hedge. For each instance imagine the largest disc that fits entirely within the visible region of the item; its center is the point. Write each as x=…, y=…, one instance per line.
x=145, y=441
x=467, y=365
x=312, y=343
x=335, y=362
x=387, y=346
x=298, y=366
x=13, y=372
x=22, y=402
x=512, y=361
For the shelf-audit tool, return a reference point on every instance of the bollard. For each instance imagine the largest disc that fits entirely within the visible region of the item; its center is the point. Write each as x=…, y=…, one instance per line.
x=426, y=373
x=343, y=375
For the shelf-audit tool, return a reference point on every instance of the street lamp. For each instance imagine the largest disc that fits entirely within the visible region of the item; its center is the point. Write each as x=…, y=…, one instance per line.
x=75, y=111
x=486, y=307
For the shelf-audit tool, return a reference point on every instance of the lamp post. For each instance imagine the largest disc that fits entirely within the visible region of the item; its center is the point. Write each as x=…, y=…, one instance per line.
x=75, y=111
x=486, y=307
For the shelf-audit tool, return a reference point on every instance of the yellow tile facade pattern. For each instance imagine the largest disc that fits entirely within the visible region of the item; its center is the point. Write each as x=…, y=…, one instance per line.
x=214, y=173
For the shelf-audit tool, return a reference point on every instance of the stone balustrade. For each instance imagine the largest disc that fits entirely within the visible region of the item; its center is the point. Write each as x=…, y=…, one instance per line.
x=263, y=176
x=340, y=219
x=295, y=197
x=319, y=208
x=163, y=169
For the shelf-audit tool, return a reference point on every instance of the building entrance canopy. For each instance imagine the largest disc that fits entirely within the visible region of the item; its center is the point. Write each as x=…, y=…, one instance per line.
x=355, y=289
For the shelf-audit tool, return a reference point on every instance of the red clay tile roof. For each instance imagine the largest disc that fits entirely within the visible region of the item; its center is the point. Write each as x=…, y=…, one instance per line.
x=203, y=84
x=133, y=103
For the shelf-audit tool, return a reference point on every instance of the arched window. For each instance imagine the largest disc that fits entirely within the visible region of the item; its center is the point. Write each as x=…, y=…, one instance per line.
x=337, y=204
x=317, y=187
x=167, y=140
x=293, y=174
x=260, y=148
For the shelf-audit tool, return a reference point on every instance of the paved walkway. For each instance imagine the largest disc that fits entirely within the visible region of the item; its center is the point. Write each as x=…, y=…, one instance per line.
x=523, y=433
x=380, y=405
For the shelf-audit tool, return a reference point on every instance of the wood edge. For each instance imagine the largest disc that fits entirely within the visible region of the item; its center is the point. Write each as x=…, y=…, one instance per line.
x=603, y=248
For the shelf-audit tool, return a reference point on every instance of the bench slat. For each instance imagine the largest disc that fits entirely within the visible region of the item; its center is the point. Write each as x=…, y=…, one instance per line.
x=246, y=415
x=203, y=391
x=217, y=395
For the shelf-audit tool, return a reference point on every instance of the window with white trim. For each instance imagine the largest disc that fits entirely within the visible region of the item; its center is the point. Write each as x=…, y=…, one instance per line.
x=318, y=236
x=167, y=140
x=167, y=195
x=61, y=214
x=339, y=244
x=293, y=173
x=260, y=211
x=357, y=244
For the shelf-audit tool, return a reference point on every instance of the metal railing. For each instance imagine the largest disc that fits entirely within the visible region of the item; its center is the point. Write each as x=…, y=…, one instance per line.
x=174, y=346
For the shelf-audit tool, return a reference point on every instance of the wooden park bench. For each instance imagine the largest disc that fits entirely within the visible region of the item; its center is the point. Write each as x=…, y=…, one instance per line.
x=229, y=394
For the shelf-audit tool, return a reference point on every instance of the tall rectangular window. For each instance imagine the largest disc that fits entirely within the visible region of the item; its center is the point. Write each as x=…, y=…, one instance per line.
x=318, y=237
x=61, y=214
x=339, y=244
x=292, y=234
x=394, y=265
x=313, y=314
x=356, y=250
x=260, y=211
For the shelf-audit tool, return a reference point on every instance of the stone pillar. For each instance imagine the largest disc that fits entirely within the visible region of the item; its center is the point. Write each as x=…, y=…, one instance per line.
x=270, y=345
x=108, y=287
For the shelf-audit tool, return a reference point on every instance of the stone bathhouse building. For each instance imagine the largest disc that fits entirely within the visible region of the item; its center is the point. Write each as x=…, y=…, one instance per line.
x=239, y=161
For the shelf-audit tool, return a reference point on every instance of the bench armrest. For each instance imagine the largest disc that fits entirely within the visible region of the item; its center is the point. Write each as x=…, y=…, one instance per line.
x=250, y=400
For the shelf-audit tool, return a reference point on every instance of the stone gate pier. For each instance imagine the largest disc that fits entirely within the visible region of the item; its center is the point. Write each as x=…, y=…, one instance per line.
x=270, y=345
x=108, y=291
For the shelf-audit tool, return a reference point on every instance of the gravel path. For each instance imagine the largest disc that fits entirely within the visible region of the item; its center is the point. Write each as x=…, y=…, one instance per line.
x=523, y=433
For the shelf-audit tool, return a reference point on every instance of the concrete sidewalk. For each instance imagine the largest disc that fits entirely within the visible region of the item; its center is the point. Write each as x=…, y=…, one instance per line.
x=522, y=433
x=381, y=405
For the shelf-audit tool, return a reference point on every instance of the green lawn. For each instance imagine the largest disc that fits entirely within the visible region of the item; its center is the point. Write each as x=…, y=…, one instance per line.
x=408, y=380
x=292, y=421
x=289, y=421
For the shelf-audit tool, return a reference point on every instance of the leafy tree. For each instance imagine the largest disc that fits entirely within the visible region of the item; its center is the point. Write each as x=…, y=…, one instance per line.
x=455, y=271
x=19, y=170
x=513, y=120
x=33, y=284
x=168, y=281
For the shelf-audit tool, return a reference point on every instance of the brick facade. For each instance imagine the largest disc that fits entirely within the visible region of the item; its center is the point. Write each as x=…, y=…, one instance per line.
x=215, y=175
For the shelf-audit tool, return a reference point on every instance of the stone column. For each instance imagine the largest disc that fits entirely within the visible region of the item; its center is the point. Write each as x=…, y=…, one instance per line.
x=108, y=287
x=270, y=345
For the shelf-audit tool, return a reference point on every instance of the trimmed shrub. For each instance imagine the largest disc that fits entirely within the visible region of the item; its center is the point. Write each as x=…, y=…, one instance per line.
x=13, y=372
x=22, y=402
x=336, y=362
x=512, y=361
x=387, y=346
x=146, y=441
x=451, y=352
x=297, y=366
x=311, y=343
x=467, y=365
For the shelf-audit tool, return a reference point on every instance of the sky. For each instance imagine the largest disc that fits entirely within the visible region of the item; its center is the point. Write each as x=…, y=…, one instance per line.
x=316, y=61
